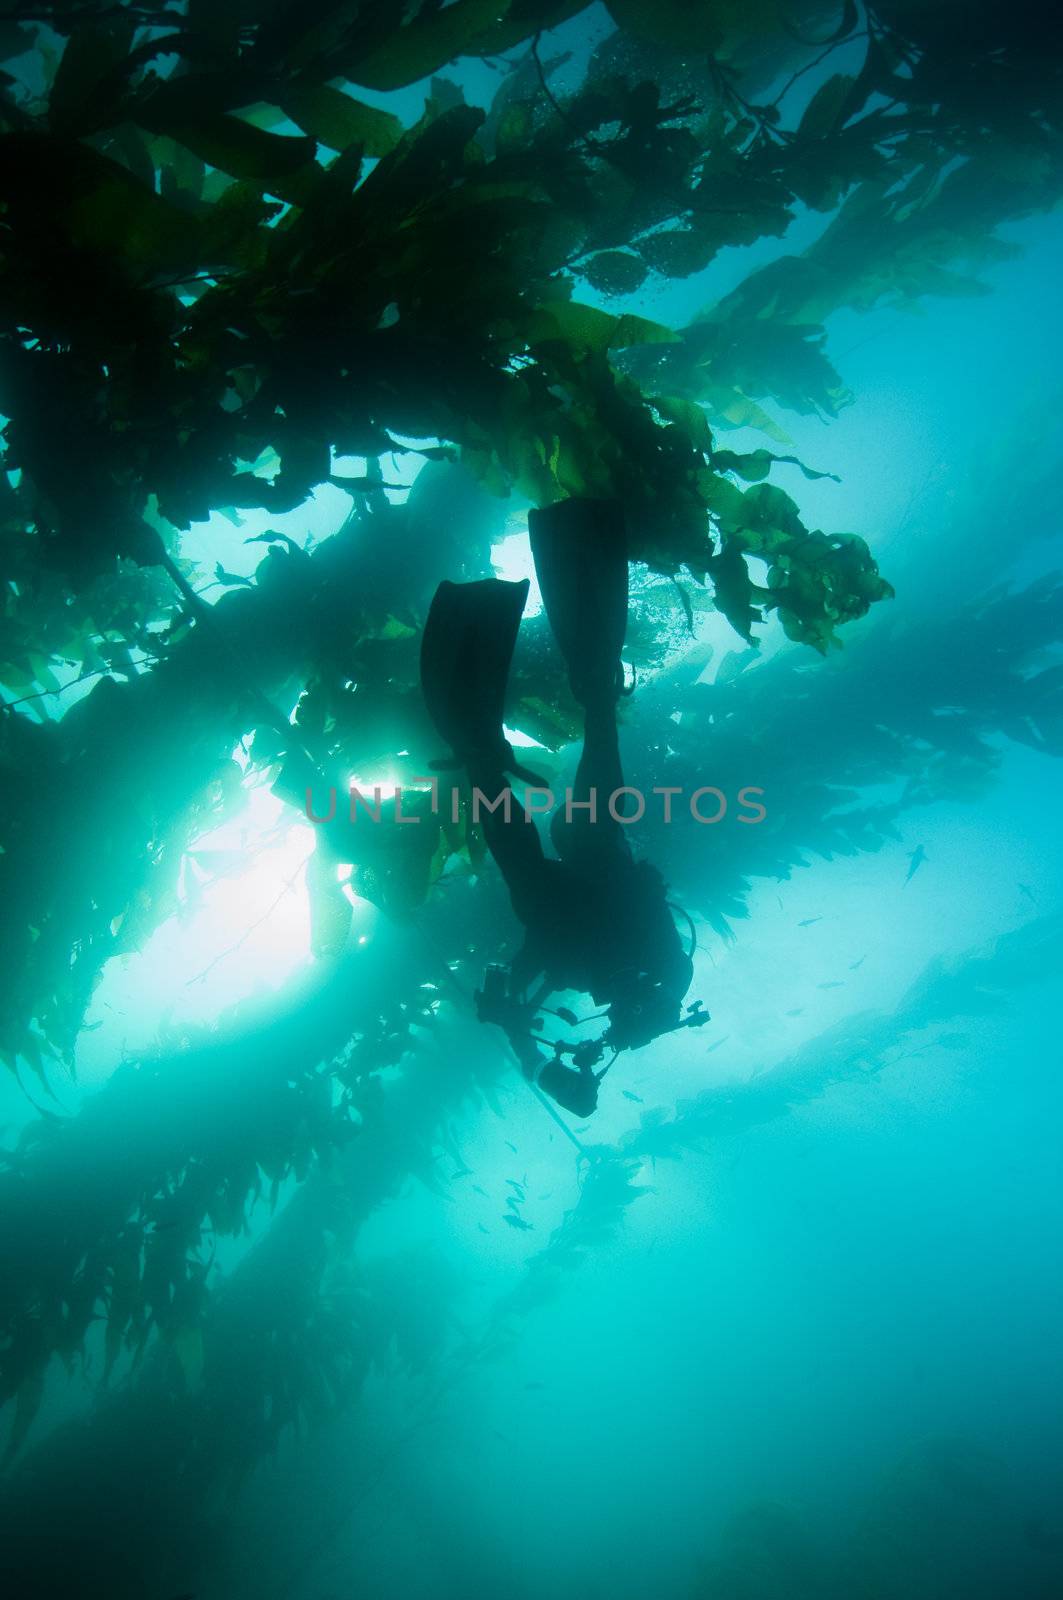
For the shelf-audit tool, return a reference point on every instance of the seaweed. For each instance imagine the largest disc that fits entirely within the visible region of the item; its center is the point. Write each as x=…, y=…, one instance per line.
x=224, y=276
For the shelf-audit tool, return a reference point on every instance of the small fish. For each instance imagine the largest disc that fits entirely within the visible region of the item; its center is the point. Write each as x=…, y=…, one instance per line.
x=798, y=1011
x=854, y=966
x=835, y=983
x=519, y=1187
x=514, y=1202
x=462, y=1172
x=477, y=1190
x=511, y=1146
x=1024, y=888
x=717, y=1045
x=808, y=922
x=639, y=1101
x=546, y=1194
x=483, y=1229
x=516, y=1222
x=229, y=578
x=535, y=1385
x=915, y=861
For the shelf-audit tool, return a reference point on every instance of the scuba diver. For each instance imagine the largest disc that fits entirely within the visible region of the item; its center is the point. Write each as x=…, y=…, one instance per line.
x=595, y=919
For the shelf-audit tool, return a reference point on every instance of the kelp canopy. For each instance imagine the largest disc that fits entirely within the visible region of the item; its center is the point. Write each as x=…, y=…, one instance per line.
x=234, y=273
x=225, y=274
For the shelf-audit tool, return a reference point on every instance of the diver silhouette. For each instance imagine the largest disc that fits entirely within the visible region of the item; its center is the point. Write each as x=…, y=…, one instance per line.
x=595, y=919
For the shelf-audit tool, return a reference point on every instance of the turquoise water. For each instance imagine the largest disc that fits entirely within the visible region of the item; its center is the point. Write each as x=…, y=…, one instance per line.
x=788, y=1321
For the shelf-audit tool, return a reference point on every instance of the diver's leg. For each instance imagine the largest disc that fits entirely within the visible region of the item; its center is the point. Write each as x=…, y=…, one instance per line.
x=590, y=838
x=512, y=838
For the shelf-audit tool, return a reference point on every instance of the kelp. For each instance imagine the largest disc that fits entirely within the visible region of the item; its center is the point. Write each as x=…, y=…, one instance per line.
x=222, y=298
x=433, y=296
x=105, y=1212
x=254, y=1366
x=225, y=1387
x=241, y=277
x=99, y=807
x=901, y=679
x=353, y=250
x=917, y=717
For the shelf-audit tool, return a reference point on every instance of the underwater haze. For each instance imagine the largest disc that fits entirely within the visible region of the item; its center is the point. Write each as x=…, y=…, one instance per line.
x=306, y=1293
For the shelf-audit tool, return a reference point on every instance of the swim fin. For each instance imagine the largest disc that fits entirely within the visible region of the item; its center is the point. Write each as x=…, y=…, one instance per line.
x=580, y=553
x=466, y=651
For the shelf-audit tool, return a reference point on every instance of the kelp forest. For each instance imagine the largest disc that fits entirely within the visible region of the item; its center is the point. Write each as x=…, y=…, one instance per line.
x=304, y=1292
